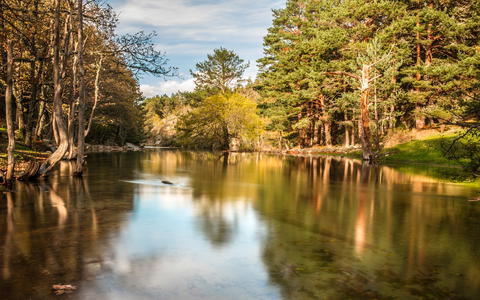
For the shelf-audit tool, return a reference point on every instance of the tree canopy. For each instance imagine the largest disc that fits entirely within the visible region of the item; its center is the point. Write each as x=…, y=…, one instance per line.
x=430, y=78
x=220, y=71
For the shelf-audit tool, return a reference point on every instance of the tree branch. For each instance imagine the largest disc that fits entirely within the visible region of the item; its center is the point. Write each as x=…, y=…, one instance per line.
x=341, y=73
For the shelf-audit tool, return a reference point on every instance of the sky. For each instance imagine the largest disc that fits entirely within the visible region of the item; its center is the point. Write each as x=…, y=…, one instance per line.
x=188, y=30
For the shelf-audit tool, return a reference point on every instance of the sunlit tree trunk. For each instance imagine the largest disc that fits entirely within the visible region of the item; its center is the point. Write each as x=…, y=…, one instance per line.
x=96, y=94
x=9, y=114
x=72, y=107
x=327, y=127
x=365, y=135
x=81, y=94
x=347, y=132
x=58, y=64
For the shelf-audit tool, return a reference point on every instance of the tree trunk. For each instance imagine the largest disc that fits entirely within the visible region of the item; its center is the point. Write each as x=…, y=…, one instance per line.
x=352, y=136
x=327, y=127
x=35, y=77
x=429, y=48
x=41, y=115
x=96, y=94
x=301, y=131
x=226, y=138
x=58, y=65
x=365, y=135
x=81, y=95
x=347, y=133
x=19, y=116
x=347, y=137
x=71, y=131
x=419, y=119
x=72, y=107
x=55, y=130
x=9, y=114
x=315, y=132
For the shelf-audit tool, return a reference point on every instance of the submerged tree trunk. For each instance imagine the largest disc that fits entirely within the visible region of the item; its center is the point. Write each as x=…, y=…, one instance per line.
x=9, y=115
x=81, y=95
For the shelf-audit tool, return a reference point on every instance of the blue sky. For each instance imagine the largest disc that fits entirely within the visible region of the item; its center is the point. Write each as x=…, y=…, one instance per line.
x=188, y=30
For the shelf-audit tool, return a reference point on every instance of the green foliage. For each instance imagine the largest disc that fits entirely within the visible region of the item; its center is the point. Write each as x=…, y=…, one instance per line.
x=119, y=117
x=219, y=71
x=162, y=114
x=431, y=72
x=219, y=121
x=309, y=39
x=465, y=149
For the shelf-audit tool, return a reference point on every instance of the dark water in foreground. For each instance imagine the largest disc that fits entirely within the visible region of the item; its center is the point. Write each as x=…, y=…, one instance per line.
x=248, y=227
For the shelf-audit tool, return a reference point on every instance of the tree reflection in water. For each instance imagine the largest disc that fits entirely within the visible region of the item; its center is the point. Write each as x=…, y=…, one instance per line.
x=48, y=233
x=239, y=226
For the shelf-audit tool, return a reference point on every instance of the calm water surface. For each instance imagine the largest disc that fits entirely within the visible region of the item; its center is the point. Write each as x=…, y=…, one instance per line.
x=246, y=226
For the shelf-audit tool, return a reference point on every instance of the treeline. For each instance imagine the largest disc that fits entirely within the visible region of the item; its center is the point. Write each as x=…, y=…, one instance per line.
x=339, y=72
x=66, y=76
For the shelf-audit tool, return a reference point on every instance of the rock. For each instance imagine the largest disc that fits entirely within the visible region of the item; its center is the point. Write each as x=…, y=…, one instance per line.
x=132, y=147
x=61, y=289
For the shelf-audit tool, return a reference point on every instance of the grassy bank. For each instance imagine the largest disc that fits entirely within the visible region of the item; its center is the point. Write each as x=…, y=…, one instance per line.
x=429, y=151
x=426, y=156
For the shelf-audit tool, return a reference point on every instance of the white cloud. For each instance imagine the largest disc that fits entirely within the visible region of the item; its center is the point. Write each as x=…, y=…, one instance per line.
x=188, y=30
x=169, y=13
x=168, y=87
x=198, y=20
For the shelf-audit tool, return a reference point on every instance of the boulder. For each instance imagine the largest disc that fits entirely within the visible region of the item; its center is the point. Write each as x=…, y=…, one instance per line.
x=133, y=147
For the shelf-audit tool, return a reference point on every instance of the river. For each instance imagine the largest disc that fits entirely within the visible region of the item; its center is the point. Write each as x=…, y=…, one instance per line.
x=242, y=226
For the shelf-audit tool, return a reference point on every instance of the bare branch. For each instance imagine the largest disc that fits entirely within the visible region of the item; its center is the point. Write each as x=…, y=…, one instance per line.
x=341, y=73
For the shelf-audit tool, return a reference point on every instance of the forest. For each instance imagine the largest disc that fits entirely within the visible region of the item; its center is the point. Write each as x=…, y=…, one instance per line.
x=66, y=76
x=347, y=73
x=333, y=74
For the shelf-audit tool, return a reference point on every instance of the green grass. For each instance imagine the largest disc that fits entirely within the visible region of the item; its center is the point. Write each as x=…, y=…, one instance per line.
x=22, y=152
x=426, y=156
x=426, y=151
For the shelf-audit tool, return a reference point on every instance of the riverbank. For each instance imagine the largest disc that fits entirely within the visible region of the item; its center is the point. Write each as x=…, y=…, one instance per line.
x=422, y=147
x=41, y=150
x=410, y=154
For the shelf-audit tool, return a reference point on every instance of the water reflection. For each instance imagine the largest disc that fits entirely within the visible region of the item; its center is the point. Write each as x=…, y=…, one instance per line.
x=239, y=226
